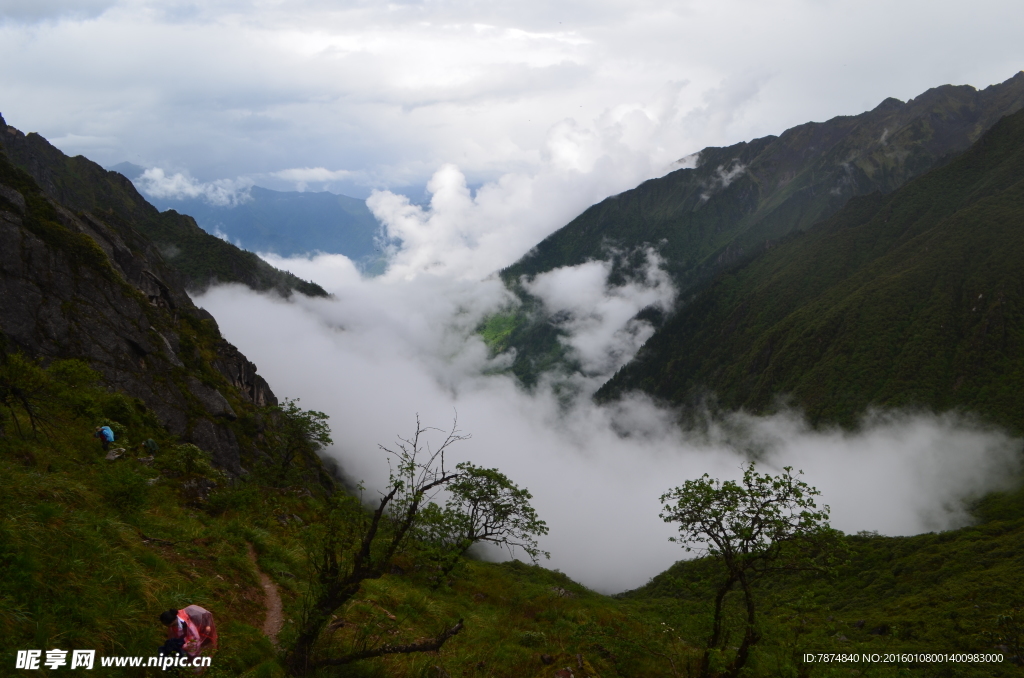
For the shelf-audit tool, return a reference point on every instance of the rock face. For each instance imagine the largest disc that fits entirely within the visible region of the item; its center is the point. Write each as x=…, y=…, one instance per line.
x=84, y=284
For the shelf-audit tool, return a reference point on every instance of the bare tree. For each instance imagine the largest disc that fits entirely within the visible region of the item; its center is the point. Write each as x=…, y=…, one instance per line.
x=355, y=546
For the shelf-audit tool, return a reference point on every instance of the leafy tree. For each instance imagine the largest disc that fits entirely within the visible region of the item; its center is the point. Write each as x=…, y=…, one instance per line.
x=298, y=434
x=761, y=525
x=355, y=546
x=483, y=505
x=1007, y=634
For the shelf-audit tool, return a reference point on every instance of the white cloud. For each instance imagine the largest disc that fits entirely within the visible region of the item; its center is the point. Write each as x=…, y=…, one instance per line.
x=599, y=317
x=302, y=177
x=474, y=234
x=49, y=10
x=394, y=91
x=548, y=107
x=178, y=186
x=385, y=349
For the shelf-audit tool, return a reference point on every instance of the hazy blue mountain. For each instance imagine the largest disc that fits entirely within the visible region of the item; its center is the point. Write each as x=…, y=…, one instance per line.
x=83, y=186
x=287, y=222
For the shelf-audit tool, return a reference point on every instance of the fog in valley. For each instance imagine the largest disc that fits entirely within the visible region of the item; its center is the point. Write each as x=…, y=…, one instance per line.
x=385, y=349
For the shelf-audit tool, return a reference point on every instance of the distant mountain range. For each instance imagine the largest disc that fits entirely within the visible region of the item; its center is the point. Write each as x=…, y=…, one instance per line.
x=287, y=223
x=743, y=202
x=82, y=185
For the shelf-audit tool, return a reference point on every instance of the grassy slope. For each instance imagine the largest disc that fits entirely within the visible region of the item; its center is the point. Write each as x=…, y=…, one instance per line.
x=90, y=553
x=915, y=298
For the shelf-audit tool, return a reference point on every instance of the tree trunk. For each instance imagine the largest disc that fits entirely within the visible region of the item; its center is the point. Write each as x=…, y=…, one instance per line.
x=716, y=628
x=750, y=635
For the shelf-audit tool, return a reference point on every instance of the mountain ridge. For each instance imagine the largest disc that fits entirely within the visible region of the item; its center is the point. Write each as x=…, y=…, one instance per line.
x=909, y=299
x=742, y=199
x=197, y=256
x=86, y=285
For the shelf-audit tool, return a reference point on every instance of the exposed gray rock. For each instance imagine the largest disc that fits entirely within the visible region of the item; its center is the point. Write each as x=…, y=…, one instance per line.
x=219, y=441
x=211, y=399
x=14, y=197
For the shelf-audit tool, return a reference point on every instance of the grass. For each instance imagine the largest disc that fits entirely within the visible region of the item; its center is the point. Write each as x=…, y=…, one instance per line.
x=91, y=551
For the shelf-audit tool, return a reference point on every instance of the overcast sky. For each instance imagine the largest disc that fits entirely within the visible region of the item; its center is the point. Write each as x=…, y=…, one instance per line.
x=352, y=96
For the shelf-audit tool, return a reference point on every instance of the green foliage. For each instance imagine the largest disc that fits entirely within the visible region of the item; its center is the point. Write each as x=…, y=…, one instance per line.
x=88, y=560
x=124, y=488
x=352, y=549
x=763, y=524
x=295, y=438
x=747, y=524
x=701, y=223
x=914, y=299
x=187, y=460
x=483, y=505
x=497, y=329
x=1007, y=633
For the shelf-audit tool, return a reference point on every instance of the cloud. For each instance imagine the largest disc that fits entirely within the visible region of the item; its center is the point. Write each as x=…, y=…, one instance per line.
x=722, y=178
x=302, y=177
x=383, y=349
x=472, y=234
x=158, y=184
x=30, y=11
x=394, y=91
x=599, y=318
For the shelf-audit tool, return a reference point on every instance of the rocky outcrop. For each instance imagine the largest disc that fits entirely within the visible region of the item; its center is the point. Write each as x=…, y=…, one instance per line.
x=76, y=285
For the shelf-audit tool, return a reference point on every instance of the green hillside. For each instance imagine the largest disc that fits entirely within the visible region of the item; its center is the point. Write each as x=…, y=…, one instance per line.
x=91, y=551
x=197, y=256
x=915, y=298
x=743, y=199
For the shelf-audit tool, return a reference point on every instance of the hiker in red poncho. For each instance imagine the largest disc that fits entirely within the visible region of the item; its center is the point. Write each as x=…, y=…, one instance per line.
x=194, y=626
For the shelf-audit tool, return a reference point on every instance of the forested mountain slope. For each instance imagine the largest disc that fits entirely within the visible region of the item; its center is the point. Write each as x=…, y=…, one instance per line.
x=915, y=298
x=743, y=195
x=740, y=200
x=82, y=185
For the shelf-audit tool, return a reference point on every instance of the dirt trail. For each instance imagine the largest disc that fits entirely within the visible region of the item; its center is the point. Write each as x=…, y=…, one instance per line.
x=275, y=612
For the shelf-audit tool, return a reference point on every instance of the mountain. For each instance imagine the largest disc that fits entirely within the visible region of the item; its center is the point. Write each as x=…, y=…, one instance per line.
x=914, y=298
x=291, y=223
x=81, y=185
x=86, y=285
x=95, y=326
x=742, y=199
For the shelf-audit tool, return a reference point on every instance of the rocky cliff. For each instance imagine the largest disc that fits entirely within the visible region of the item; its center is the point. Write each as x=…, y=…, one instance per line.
x=84, y=283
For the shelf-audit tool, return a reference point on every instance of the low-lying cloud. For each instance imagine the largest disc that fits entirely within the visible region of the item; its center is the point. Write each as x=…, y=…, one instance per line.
x=156, y=183
x=599, y=318
x=384, y=349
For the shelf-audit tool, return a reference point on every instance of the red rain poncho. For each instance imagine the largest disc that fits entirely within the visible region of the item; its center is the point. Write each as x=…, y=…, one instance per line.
x=196, y=627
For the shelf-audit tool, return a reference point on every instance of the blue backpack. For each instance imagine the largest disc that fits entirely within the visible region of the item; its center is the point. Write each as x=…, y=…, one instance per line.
x=107, y=433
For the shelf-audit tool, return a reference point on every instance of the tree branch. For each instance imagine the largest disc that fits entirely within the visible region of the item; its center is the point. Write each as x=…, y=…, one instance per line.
x=431, y=645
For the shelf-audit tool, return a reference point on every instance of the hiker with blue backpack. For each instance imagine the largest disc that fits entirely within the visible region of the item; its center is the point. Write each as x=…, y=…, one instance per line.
x=106, y=436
